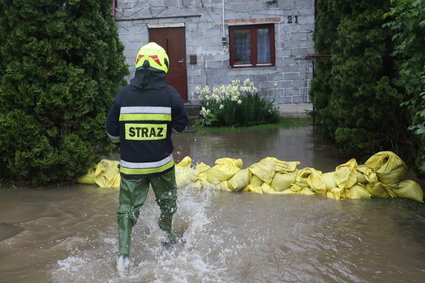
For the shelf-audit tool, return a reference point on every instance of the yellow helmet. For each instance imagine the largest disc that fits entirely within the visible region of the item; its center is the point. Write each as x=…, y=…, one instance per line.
x=154, y=56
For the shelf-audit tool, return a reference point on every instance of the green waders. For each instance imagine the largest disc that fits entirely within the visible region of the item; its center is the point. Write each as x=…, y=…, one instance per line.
x=132, y=196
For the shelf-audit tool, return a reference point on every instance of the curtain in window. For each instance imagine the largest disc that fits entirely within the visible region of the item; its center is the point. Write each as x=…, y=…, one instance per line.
x=263, y=46
x=242, y=47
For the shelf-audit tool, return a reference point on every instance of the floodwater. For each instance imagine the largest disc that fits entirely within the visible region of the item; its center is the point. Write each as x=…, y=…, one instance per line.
x=68, y=234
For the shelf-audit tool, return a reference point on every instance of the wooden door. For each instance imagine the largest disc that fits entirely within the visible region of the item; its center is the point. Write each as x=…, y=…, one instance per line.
x=173, y=41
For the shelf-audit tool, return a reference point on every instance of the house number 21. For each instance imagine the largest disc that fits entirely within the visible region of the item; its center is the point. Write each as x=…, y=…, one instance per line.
x=292, y=19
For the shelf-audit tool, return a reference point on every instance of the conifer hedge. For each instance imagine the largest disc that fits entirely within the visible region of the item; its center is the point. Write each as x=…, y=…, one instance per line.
x=407, y=21
x=356, y=101
x=61, y=64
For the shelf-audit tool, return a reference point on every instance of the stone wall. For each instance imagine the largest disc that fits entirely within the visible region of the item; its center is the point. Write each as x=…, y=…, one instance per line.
x=287, y=82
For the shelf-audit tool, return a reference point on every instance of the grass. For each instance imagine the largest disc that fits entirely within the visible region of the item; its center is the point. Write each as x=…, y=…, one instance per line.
x=282, y=123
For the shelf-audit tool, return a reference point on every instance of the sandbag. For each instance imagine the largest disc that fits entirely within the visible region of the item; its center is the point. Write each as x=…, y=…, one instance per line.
x=346, y=174
x=366, y=175
x=201, y=175
x=255, y=180
x=185, y=162
x=409, y=189
x=201, y=168
x=240, y=180
x=306, y=191
x=264, y=170
x=380, y=190
x=329, y=179
x=267, y=189
x=282, y=181
x=302, y=176
x=253, y=189
x=358, y=191
x=224, y=186
x=89, y=177
x=316, y=182
x=107, y=174
x=223, y=170
x=185, y=176
x=336, y=193
x=295, y=189
x=309, y=178
x=389, y=167
x=284, y=166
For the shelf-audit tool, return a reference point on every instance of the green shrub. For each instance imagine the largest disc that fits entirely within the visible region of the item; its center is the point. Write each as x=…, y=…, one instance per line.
x=235, y=105
x=61, y=64
x=407, y=22
x=356, y=101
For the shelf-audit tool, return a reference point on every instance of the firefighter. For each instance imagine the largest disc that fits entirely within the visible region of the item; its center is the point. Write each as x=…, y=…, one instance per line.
x=140, y=121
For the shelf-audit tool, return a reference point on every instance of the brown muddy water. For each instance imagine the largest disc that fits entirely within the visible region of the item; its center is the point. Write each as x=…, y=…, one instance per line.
x=68, y=234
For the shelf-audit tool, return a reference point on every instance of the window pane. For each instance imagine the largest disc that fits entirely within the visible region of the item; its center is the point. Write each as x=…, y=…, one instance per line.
x=242, y=47
x=263, y=46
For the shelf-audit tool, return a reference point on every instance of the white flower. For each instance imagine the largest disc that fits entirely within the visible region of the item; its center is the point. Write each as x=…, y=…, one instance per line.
x=221, y=106
x=239, y=102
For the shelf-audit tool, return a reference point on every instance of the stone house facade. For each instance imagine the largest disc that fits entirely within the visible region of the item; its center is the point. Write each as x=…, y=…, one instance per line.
x=212, y=42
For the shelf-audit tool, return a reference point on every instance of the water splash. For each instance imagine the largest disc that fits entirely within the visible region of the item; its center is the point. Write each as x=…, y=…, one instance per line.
x=200, y=259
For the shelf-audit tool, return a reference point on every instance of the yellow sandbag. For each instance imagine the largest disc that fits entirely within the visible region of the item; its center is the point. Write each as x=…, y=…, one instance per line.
x=264, y=169
x=380, y=190
x=224, y=186
x=306, y=191
x=185, y=176
x=107, y=174
x=283, y=166
x=329, y=179
x=302, y=176
x=308, y=177
x=267, y=189
x=316, y=182
x=282, y=181
x=346, y=174
x=205, y=184
x=295, y=188
x=366, y=175
x=336, y=193
x=223, y=170
x=255, y=180
x=409, y=189
x=288, y=192
x=201, y=175
x=389, y=167
x=201, y=167
x=89, y=177
x=200, y=170
x=185, y=162
x=240, y=180
x=357, y=191
x=253, y=189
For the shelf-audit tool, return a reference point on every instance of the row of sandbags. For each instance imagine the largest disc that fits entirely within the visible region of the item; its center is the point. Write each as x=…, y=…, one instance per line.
x=382, y=176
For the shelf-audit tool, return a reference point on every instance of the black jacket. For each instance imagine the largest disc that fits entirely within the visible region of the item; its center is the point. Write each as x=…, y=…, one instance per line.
x=141, y=120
